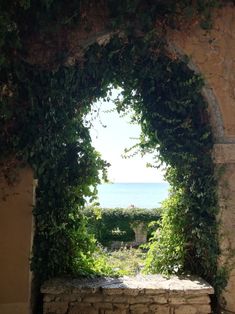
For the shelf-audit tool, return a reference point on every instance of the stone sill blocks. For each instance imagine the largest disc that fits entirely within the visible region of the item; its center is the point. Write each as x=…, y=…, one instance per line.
x=138, y=295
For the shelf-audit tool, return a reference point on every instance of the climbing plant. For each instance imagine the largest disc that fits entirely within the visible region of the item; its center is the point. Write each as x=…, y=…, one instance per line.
x=42, y=116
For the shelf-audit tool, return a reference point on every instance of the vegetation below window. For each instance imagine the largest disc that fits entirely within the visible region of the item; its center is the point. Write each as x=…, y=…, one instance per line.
x=117, y=224
x=124, y=261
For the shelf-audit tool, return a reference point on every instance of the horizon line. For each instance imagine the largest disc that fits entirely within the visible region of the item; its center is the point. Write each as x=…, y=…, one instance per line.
x=112, y=182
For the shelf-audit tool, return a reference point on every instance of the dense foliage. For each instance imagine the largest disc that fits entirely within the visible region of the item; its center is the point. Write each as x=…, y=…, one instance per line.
x=42, y=123
x=116, y=224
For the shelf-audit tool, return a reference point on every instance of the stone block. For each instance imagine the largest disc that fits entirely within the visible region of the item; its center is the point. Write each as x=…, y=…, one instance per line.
x=113, y=291
x=86, y=290
x=118, y=299
x=103, y=305
x=189, y=300
x=160, y=299
x=70, y=298
x=199, y=300
x=116, y=312
x=186, y=309
x=58, y=299
x=133, y=292
x=82, y=309
x=49, y=298
x=123, y=291
x=120, y=306
x=93, y=298
x=155, y=291
x=203, y=308
x=55, y=308
x=140, y=299
x=159, y=309
x=139, y=308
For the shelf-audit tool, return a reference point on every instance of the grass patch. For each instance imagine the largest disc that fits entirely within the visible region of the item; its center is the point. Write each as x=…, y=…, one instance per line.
x=125, y=261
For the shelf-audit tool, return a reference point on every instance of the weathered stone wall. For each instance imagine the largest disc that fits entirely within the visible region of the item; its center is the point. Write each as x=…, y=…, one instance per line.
x=16, y=224
x=224, y=157
x=137, y=295
x=212, y=54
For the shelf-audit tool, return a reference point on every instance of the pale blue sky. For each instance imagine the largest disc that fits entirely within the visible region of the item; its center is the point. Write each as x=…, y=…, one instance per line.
x=111, y=141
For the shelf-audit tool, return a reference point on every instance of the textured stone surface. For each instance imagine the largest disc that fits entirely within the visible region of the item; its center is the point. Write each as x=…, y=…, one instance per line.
x=224, y=157
x=124, y=285
x=227, y=231
x=212, y=54
x=224, y=153
x=138, y=295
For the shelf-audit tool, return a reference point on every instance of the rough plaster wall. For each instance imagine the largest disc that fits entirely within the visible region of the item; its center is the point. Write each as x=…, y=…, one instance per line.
x=226, y=218
x=15, y=243
x=212, y=53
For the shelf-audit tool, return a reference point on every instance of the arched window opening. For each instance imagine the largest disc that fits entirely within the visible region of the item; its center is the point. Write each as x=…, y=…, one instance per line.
x=128, y=205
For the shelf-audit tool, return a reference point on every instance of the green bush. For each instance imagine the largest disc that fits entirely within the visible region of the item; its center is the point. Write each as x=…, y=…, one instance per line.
x=116, y=224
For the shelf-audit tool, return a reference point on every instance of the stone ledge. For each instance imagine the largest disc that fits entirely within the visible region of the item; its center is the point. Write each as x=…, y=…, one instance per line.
x=155, y=283
x=141, y=294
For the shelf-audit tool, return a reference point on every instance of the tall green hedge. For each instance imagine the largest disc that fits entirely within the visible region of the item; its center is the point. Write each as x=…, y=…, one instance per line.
x=115, y=224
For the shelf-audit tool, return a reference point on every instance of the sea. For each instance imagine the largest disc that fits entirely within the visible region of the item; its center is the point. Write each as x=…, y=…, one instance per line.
x=142, y=195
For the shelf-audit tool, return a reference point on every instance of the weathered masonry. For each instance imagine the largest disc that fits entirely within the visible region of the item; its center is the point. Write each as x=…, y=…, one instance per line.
x=212, y=54
x=16, y=230
x=137, y=295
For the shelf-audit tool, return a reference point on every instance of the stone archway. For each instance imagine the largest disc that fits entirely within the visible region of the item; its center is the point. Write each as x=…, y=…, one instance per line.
x=213, y=55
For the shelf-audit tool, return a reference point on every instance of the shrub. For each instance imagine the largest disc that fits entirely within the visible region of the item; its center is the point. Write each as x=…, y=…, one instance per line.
x=116, y=224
